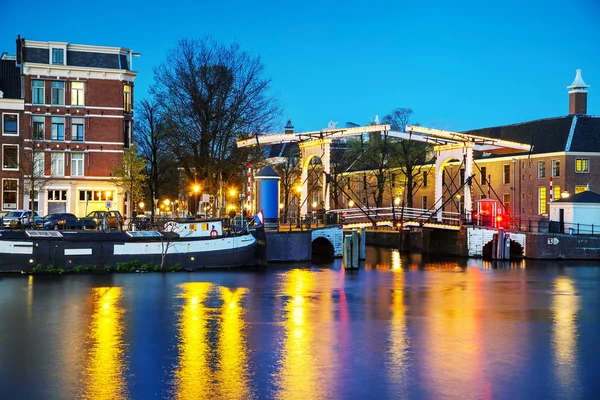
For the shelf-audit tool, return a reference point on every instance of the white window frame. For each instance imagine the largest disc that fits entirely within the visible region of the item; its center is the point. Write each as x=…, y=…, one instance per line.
x=541, y=172
x=505, y=176
x=34, y=88
x=39, y=161
x=58, y=164
x=52, y=136
x=587, y=170
x=78, y=94
x=555, y=166
x=18, y=121
x=3, y=156
x=16, y=204
x=62, y=47
x=74, y=123
x=77, y=165
x=61, y=90
x=33, y=122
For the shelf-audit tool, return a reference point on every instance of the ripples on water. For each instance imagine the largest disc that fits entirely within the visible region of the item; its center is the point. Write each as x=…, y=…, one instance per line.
x=398, y=328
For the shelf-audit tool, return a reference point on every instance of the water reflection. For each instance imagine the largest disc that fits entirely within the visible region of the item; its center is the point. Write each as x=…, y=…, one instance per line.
x=202, y=372
x=104, y=371
x=564, y=332
x=397, y=354
x=307, y=341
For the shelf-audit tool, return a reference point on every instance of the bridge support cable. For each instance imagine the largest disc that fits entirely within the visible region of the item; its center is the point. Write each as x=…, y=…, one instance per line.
x=362, y=210
x=507, y=212
x=441, y=207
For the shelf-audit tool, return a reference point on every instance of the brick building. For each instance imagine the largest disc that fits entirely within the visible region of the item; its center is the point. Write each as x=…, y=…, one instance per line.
x=11, y=116
x=76, y=120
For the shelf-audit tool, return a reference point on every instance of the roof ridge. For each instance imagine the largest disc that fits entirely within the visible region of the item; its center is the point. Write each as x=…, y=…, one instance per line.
x=519, y=123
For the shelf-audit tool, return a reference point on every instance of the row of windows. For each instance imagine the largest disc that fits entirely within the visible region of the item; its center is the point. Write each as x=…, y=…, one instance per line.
x=10, y=127
x=57, y=94
x=10, y=161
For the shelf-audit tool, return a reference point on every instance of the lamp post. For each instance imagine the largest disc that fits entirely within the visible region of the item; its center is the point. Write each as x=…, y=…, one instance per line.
x=458, y=197
x=196, y=189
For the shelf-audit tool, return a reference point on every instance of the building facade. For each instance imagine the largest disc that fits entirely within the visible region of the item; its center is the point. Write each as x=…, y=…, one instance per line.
x=11, y=118
x=76, y=121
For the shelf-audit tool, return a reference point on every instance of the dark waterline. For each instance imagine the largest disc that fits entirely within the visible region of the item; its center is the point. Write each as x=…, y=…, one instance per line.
x=401, y=327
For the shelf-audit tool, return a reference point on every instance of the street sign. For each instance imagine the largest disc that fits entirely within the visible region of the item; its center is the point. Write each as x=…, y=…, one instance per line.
x=108, y=204
x=553, y=241
x=205, y=197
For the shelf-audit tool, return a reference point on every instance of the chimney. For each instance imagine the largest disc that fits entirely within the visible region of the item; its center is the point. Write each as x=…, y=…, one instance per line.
x=578, y=95
x=289, y=128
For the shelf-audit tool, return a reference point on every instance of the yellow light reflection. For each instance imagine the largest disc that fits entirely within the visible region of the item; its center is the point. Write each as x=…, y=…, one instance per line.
x=396, y=260
x=104, y=371
x=204, y=373
x=565, y=305
x=305, y=344
x=397, y=353
x=233, y=374
x=29, y=296
x=193, y=376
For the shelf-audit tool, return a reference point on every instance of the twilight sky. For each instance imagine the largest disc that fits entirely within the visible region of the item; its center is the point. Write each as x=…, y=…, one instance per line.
x=459, y=65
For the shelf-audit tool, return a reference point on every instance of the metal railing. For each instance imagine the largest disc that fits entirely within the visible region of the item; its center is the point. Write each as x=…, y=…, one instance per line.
x=567, y=228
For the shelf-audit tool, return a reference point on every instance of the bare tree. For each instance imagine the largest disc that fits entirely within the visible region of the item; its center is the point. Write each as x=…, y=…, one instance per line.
x=212, y=94
x=36, y=173
x=152, y=140
x=409, y=155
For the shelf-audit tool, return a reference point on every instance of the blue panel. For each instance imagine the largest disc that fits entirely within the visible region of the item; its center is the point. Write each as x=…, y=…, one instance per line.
x=268, y=198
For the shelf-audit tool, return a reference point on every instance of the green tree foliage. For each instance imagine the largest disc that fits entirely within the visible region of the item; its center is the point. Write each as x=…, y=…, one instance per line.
x=130, y=178
x=212, y=95
x=407, y=155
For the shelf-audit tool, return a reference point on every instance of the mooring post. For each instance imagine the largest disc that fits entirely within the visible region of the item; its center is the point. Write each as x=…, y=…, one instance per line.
x=347, y=251
x=363, y=244
x=355, y=248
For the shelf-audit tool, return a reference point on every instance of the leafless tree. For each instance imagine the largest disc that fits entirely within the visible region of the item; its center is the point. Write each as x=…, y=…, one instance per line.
x=211, y=95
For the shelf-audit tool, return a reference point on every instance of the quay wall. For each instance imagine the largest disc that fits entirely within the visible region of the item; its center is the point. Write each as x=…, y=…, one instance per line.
x=289, y=246
x=560, y=246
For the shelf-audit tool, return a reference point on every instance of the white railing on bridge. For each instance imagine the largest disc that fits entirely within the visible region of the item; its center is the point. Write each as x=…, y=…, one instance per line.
x=390, y=215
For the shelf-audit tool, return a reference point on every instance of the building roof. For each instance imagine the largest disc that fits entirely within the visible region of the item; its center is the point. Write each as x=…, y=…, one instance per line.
x=568, y=133
x=583, y=197
x=10, y=82
x=267, y=172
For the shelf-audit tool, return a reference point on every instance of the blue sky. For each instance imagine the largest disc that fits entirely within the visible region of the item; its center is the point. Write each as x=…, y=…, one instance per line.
x=459, y=65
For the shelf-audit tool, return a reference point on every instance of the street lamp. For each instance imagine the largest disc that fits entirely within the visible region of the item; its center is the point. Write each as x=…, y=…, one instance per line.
x=351, y=203
x=397, y=201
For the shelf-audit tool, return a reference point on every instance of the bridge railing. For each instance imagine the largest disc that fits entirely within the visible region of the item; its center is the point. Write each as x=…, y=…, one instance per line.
x=396, y=215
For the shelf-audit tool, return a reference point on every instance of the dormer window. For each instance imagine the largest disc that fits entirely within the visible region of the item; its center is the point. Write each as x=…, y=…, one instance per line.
x=58, y=56
x=58, y=53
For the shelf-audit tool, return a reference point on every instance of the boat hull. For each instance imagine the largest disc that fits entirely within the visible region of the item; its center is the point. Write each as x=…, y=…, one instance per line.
x=19, y=252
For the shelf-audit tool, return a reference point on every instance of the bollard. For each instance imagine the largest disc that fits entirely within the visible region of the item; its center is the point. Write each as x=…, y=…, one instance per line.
x=347, y=251
x=363, y=244
x=355, y=248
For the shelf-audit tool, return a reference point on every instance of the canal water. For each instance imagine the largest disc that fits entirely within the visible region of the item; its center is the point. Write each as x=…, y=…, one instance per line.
x=401, y=327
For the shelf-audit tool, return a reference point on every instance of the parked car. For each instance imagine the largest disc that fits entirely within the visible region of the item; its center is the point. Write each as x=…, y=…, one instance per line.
x=58, y=221
x=113, y=218
x=19, y=219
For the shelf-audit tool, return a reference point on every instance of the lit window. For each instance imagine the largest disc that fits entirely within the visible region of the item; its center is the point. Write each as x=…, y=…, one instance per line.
x=58, y=93
x=77, y=129
x=582, y=165
x=541, y=169
x=58, y=164
x=542, y=199
x=127, y=98
x=9, y=194
x=38, y=127
x=38, y=165
x=555, y=168
x=579, y=189
x=556, y=192
x=77, y=94
x=10, y=156
x=77, y=164
x=483, y=175
x=58, y=128
x=58, y=56
x=38, y=92
x=10, y=124
x=424, y=178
